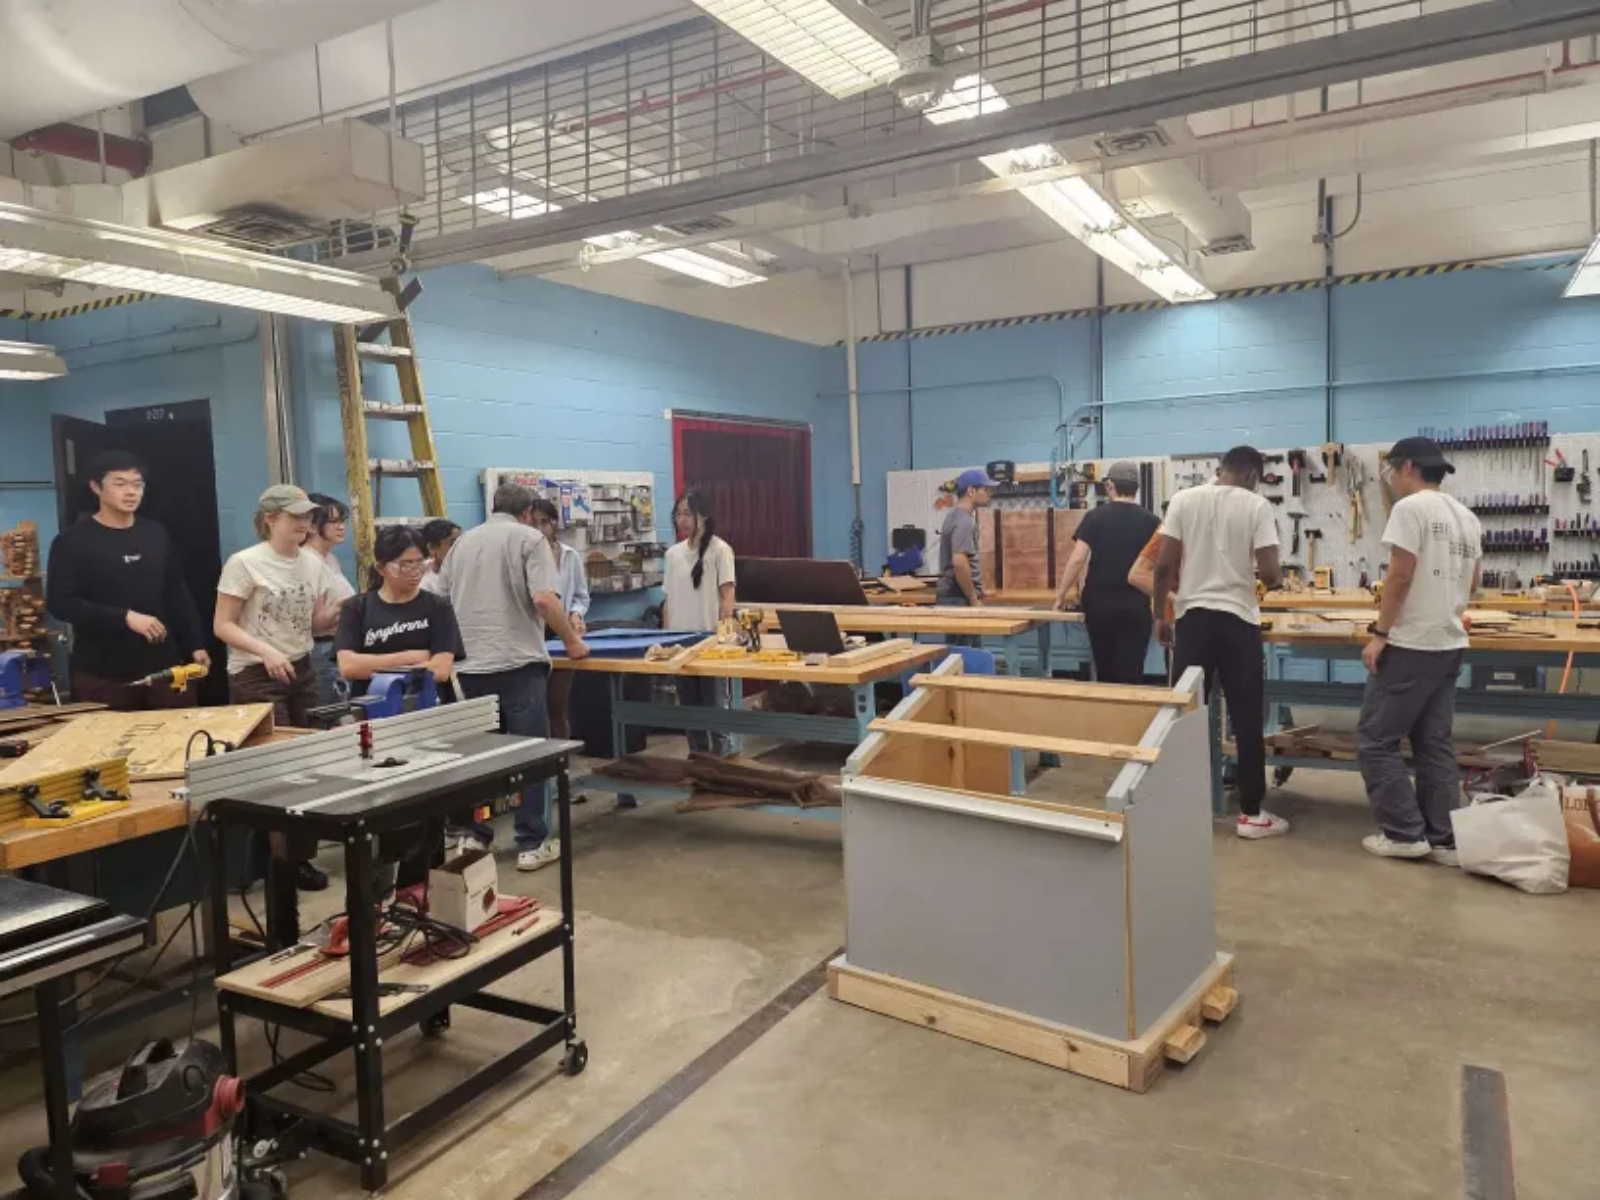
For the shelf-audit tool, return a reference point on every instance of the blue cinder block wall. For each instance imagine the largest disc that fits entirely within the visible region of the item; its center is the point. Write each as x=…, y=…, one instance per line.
x=531, y=373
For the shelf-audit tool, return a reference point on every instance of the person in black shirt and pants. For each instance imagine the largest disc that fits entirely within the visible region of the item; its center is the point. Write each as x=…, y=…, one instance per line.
x=116, y=579
x=1116, y=613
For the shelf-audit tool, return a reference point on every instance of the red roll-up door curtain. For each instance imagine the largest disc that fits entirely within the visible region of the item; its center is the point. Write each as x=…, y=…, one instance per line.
x=757, y=479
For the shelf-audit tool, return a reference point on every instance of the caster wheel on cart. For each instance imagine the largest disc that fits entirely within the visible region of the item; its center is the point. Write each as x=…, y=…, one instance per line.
x=576, y=1058
x=1280, y=775
x=436, y=1025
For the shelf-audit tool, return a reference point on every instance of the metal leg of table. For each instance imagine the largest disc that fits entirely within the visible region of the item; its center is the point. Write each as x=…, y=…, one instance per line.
x=619, y=737
x=1214, y=719
x=52, y=1058
x=569, y=979
x=221, y=935
x=361, y=906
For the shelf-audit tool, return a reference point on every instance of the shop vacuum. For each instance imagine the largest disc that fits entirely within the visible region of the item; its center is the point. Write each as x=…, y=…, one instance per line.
x=161, y=1129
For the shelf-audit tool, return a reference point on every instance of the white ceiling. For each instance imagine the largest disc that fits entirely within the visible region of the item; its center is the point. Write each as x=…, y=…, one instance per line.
x=1482, y=159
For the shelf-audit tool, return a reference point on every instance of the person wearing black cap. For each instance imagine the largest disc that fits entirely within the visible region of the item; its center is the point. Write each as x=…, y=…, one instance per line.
x=1414, y=656
x=1115, y=613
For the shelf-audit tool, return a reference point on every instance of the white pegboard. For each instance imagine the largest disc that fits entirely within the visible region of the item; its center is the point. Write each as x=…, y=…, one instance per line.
x=620, y=502
x=1481, y=476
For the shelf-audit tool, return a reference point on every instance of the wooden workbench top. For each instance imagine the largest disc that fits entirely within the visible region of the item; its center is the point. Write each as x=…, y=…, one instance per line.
x=1031, y=598
x=883, y=667
x=1536, y=635
x=1361, y=598
x=992, y=620
x=152, y=810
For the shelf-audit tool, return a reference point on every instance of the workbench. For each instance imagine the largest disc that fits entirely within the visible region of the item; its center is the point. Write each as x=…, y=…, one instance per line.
x=1008, y=626
x=1303, y=646
x=358, y=786
x=1336, y=598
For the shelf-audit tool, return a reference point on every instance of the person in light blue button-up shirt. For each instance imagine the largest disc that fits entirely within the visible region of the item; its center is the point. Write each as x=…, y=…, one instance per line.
x=573, y=589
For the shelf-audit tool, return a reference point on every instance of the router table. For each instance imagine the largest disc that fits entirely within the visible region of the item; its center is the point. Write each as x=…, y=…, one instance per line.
x=361, y=786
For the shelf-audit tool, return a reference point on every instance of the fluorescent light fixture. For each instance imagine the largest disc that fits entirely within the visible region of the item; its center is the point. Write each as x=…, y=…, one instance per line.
x=76, y=250
x=705, y=267
x=1075, y=204
x=1585, y=280
x=28, y=360
x=839, y=45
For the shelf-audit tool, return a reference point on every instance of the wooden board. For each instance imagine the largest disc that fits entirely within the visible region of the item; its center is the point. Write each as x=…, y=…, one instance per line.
x=32, y=716
x=1539, y=635
x=792, y=672
x=1024, y=548
x=866, y=654
x=941, y=619
x=1133, y=1064
x=988, y=547
x=153, y=742
x=1058, y=689
x=1017, y=741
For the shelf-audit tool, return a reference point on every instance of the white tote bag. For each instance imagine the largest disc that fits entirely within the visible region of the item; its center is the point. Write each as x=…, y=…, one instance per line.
x=1519, y=839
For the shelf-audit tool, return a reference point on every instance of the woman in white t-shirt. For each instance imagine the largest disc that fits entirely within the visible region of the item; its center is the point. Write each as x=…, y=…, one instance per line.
x=272, y=601
x=329, y=529
x=699, y=582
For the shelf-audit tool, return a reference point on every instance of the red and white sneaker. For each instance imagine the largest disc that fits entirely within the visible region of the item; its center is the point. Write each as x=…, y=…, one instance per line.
x=1262, y=825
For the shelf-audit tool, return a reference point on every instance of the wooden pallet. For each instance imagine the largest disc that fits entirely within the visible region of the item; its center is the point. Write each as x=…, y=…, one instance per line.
x=1177, y=1037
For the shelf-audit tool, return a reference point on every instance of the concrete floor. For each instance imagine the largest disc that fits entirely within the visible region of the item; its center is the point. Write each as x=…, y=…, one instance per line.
x=1366, y=985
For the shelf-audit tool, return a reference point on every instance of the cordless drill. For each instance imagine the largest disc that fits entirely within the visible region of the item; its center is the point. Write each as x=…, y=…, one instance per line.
x=179, y=677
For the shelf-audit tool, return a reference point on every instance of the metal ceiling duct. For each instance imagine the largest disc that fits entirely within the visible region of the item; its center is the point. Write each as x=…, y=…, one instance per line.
x=62, y=59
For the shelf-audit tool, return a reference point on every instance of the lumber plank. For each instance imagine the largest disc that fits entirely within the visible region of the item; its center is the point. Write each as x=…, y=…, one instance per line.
x=865, y=654
x=1219, y=1002
x=1058, y=689
x=971, y=1020
x=1018, y=741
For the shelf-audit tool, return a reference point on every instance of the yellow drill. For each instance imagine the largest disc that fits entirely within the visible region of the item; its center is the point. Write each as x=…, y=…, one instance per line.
x=179, y=677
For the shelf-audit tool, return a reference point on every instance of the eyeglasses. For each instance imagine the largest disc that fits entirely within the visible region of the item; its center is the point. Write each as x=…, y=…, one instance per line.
x=408, y=566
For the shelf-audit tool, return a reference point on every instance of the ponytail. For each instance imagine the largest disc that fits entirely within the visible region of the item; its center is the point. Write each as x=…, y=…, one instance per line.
x=699, y=571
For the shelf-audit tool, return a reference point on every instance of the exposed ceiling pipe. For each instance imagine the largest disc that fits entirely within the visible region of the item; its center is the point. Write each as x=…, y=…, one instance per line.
x=76, y=141
x=60, y=59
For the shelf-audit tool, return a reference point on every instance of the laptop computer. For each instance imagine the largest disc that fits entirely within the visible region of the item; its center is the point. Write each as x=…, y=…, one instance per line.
x=808, y=632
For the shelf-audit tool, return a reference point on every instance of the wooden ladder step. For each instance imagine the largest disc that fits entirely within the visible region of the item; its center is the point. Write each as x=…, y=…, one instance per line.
x=401, y=466
x=382, y=352
x=376, y=410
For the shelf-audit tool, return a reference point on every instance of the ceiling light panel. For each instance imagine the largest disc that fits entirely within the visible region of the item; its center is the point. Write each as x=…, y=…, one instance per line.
x=1074, y=203
x=28, y=360
x=100, y=254
x=836, y=44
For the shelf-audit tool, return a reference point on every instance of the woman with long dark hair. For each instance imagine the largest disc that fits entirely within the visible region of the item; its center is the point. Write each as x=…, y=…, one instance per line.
x=699, y=582
x=396, y=626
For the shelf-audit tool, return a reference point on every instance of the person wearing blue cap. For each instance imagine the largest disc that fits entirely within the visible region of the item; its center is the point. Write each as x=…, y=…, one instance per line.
x=960, y=569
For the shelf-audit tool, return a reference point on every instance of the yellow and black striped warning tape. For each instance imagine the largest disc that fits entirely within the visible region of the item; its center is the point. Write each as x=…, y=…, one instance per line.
x=1247, y=293
x=77, y=310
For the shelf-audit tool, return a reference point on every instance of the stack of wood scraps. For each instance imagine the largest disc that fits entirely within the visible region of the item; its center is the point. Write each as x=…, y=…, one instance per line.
x=727, y=782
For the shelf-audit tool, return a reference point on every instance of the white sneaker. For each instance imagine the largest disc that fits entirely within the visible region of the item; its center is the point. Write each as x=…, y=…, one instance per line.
x=1385, y=847
x=1445, y=856
x=539, y=857
x=1262, y=825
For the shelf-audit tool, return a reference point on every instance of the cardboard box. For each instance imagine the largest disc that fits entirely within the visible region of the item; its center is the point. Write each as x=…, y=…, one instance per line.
x=464, y=890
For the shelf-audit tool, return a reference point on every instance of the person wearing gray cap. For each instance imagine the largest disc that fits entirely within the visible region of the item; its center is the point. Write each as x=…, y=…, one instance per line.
x=960, y=565
x=1414, y=657
x=272, y=601
x=1115, y=613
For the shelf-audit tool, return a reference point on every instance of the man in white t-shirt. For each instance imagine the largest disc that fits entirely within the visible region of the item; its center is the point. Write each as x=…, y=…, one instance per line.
x=1215, y=541
x=1418, y=642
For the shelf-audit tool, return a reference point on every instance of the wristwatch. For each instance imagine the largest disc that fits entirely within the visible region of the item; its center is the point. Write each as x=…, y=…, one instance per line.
x=1376, y=632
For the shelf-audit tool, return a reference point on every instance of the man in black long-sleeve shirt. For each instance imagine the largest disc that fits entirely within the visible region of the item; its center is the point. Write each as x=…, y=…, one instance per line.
x=117, y=580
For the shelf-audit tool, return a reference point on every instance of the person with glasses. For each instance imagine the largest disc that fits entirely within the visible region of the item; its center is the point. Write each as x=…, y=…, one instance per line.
x=116, y=578
x=396, y=626
x=329, y=529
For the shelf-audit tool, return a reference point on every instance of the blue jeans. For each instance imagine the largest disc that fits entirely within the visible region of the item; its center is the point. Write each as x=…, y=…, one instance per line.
x=957, y=639
x=699, y=691
x=524, y=712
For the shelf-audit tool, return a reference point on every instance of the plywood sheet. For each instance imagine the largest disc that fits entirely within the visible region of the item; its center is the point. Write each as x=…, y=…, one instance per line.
x=988, y=547
x=1024, y=550
x=153, y=742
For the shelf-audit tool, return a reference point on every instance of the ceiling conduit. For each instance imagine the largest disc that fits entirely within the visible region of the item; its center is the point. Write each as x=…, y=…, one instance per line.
x=63, y=59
